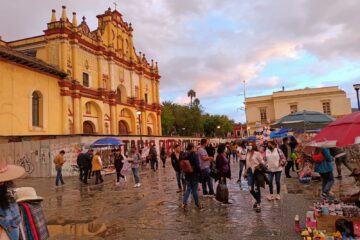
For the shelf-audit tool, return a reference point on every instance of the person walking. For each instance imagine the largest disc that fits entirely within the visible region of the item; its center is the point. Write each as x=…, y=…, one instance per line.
x=97, y=165
x=80, y=160
x=175, y=158
x=59, y=162
x=135, y=159
x=275, y=160
x=223, y=169
x=163, y=155
x=119, y=163
x=325, y=169
x=10, y=218
x=87, y=165
x=205, y=162
x=241, y=152
x=254, y=160
x=341, y=158
x=234, y=147
x=286, y=149
x=210, y=150
x=153, y=158
x=192, y=178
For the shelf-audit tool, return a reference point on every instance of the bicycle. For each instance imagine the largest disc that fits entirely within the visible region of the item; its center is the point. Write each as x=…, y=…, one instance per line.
x=26, y=164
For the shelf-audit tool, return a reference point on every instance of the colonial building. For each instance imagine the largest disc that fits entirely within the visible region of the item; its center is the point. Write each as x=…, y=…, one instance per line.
x=71, y=80
x=264, y=110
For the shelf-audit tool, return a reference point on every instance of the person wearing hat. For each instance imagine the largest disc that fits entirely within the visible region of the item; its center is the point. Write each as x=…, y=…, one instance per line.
x=9, y=210
x=59, y=162
x=355, y=198
x=33, y=220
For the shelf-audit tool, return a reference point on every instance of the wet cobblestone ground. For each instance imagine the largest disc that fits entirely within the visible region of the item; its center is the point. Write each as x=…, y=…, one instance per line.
x=107, y=211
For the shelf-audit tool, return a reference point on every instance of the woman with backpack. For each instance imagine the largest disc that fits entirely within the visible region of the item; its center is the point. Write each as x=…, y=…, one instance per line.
x=189, y=163
x=275, y=161
x=223, y=169
x=323, y=165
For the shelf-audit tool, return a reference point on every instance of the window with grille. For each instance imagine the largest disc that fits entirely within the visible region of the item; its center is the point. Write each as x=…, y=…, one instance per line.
x=293, y=108
x=86, y=82
x=263, y=115
x=326, y=108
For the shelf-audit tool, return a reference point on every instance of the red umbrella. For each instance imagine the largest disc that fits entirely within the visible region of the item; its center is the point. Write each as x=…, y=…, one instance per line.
x=344, y=131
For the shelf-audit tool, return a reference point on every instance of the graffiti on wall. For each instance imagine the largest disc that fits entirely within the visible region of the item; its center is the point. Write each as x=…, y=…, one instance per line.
x=71, y=152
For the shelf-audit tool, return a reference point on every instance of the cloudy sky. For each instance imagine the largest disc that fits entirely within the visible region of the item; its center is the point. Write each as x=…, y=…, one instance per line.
x=213, y=46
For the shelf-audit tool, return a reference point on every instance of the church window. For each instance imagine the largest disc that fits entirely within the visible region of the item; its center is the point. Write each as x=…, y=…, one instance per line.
x=86, y=81
x=36, y=109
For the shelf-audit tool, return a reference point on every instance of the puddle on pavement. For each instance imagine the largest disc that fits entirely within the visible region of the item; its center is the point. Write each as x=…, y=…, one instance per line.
x=78, y=230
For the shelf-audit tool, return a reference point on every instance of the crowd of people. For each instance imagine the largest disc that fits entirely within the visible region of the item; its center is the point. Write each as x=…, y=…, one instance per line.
x=259, y=165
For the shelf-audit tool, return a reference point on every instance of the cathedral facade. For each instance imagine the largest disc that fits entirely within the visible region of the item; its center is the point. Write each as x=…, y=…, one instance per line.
x=71, y=80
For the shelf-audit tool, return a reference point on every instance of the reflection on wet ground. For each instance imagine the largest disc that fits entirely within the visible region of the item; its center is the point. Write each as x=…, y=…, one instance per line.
x=107, y=211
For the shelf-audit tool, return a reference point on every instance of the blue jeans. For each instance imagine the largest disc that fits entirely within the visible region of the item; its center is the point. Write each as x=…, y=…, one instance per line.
x=327, y=181
x=180, y=180
x=59, y=176
x=254, y=186
x=277, y=181
x=136, y=174
x=207, y=181
x=242, y=165
x=192, y=187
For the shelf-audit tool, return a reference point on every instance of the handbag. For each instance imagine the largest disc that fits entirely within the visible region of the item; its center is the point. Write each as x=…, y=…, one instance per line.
x=222, y=192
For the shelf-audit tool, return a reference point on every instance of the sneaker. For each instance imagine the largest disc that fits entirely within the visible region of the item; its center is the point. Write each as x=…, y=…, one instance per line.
x=278, y=197
x=183, y=206
x=258, y=208
x=117, y=183
x=139, y=184
x=324, y=195
x=135, y=186
x=270, y=197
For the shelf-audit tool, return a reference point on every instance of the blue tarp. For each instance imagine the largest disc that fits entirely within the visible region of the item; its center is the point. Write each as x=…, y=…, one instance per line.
x=281, y=133
x=251, y=138
x=105, y=142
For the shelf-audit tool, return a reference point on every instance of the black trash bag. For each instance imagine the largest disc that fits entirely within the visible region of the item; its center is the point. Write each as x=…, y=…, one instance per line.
x=345, y=227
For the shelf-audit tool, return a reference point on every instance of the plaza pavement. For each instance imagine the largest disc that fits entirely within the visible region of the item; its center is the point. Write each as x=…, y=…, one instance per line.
x=107, y=211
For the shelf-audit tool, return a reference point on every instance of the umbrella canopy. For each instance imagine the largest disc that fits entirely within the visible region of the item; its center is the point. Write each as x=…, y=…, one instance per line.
x=344, y=131
x=105, y=142
x=303, y=120
x=251, y=138
x=281, y=133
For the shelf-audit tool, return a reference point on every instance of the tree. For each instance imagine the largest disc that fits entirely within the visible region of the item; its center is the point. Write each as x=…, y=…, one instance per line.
x=196, y=102
x=191, y=94
x=167, y=118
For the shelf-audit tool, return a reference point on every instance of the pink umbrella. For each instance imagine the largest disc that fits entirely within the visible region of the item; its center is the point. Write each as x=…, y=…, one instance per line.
x=344, y=131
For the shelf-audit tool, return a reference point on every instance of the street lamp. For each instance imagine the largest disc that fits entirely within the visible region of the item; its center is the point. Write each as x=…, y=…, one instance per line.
x=218, y=127
x=357, y=87
x=139, y=117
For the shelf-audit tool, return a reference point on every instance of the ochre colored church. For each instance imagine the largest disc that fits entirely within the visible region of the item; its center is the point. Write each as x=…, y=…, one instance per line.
x=72, y=80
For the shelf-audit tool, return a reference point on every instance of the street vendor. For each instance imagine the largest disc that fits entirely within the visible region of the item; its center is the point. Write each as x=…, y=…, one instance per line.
x=355, y=198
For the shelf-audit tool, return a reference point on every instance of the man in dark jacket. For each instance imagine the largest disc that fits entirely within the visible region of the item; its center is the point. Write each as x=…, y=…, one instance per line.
x=192, y=179
x=286, y=149
x=340, y=157
x=154, y=158
x=175, y=162
x=80, y=162
x=118, y=163
x=87, y=165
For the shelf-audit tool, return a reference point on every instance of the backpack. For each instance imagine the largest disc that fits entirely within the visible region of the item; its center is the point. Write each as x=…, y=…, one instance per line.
x=318, y=157
x=185, y=166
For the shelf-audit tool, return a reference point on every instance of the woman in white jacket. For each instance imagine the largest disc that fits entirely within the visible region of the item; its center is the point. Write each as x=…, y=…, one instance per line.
x=275, y=161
